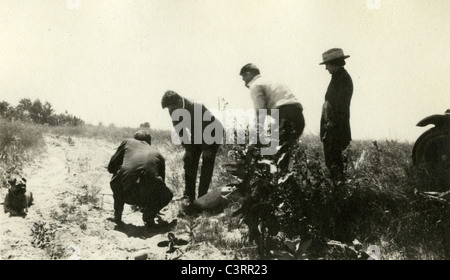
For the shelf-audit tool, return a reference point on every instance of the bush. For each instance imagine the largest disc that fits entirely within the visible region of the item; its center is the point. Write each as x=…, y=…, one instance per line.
x=109, y=133
x=18, y=143
x=44, y=237
x=380, y=201
x=36, y=112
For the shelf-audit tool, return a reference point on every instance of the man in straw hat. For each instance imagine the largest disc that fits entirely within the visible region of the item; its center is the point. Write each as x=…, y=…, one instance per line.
x=335, y=130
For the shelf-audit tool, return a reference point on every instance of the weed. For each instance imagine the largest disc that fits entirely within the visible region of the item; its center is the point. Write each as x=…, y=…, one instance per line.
x=385, y=200
x=76, y=211
x=19, y=142
x=44, y=236
x=91, y=195
x=378, y=201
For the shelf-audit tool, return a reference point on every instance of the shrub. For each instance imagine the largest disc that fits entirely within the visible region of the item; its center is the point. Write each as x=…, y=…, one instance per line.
x=18, y=143
x=380, y=200
x=44, y=237
x=109, y=133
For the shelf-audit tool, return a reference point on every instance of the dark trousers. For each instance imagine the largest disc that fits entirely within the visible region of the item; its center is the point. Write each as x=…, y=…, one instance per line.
x=333, y=157
x=191, y=161
x=292, y=123
x=291, y=126
x=150, y=194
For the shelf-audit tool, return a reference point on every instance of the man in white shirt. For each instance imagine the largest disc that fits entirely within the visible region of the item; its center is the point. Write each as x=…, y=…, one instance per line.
x=275, y=96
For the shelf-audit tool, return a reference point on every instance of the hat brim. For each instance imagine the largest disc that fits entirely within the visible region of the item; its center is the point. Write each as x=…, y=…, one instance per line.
x=342, y=57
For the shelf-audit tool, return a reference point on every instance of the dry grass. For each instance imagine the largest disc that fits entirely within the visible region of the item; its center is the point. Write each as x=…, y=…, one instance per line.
x=18, y=142
x=384, y=207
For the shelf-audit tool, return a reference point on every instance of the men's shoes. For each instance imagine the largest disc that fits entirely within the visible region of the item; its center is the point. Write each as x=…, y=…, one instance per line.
x=188, y=207
x=116, y=220
x=161, y=224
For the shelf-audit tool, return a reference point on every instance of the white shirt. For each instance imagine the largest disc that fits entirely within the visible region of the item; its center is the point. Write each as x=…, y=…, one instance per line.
x=267, y=95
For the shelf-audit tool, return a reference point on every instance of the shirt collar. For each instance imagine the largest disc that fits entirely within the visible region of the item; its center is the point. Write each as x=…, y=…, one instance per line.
x=253, y=80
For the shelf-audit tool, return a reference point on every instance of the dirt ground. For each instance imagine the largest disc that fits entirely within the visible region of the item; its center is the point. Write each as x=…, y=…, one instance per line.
x=59, y=179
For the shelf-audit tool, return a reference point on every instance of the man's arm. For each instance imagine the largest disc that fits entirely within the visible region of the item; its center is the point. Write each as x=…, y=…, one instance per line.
x=344, y=96
x=181, y=122
x=162, y=168
x=258, y=96
x=117, y=159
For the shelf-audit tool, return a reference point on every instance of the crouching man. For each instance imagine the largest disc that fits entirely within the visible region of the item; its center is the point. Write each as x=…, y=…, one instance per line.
x=139, y=178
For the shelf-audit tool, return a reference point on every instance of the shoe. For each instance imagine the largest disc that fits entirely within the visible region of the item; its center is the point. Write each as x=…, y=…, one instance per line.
x=116, y=219
x=165, y=224
x=185, y=200
x=191, y=209
x=161, y=224
x=118, y=223
x=150, y=224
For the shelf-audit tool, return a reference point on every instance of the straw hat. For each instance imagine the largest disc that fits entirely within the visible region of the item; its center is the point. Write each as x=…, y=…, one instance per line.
x=333, y=54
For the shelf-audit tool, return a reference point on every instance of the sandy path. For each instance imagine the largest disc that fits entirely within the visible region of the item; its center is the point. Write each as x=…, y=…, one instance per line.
x=58, y=179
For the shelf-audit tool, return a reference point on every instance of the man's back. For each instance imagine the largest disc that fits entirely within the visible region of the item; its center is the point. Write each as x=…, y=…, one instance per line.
x=269, y=95
x=206, y=118
x=135, y=158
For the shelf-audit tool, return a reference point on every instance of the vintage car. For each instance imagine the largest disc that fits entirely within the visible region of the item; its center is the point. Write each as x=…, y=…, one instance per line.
x=432, y=148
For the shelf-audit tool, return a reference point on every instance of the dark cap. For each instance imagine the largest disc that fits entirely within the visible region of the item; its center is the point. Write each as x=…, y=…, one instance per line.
x=250, y=67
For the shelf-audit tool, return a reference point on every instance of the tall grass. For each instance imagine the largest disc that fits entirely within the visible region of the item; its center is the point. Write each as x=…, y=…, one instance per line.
x=18, y=142
x=382, y=203
x=383, y=200
x=112, y=134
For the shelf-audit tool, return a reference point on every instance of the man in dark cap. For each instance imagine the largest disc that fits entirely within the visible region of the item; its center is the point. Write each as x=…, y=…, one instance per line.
x=275, y=96
x=335, y=130
x=139, y=178
x=195, y=144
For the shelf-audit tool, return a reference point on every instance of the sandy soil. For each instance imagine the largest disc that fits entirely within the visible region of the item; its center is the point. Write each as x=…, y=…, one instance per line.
x=63, y=173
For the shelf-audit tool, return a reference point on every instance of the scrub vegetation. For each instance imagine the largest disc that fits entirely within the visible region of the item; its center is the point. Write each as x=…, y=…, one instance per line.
x=298, y=213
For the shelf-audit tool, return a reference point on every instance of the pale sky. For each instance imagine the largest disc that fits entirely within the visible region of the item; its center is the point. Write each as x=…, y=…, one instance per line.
x=110, y=61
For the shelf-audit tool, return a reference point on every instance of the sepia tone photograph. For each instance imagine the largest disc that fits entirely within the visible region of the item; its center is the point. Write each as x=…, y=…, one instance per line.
x=204, y=130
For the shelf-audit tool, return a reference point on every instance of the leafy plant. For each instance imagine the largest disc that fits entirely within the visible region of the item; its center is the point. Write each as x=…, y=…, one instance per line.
x=172, y=243
x=90, y=196
x=44, y=236
x=382, y=199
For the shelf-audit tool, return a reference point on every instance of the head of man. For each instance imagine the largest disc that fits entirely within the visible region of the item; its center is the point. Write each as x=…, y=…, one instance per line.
x=334, y=59
x=248, y=72
x=172, y=101
x=334, y=65
x=143, y=135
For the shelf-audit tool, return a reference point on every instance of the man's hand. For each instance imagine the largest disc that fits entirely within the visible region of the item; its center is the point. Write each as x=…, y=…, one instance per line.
x=160, y=179
x=330, y=125
x=324, y=136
